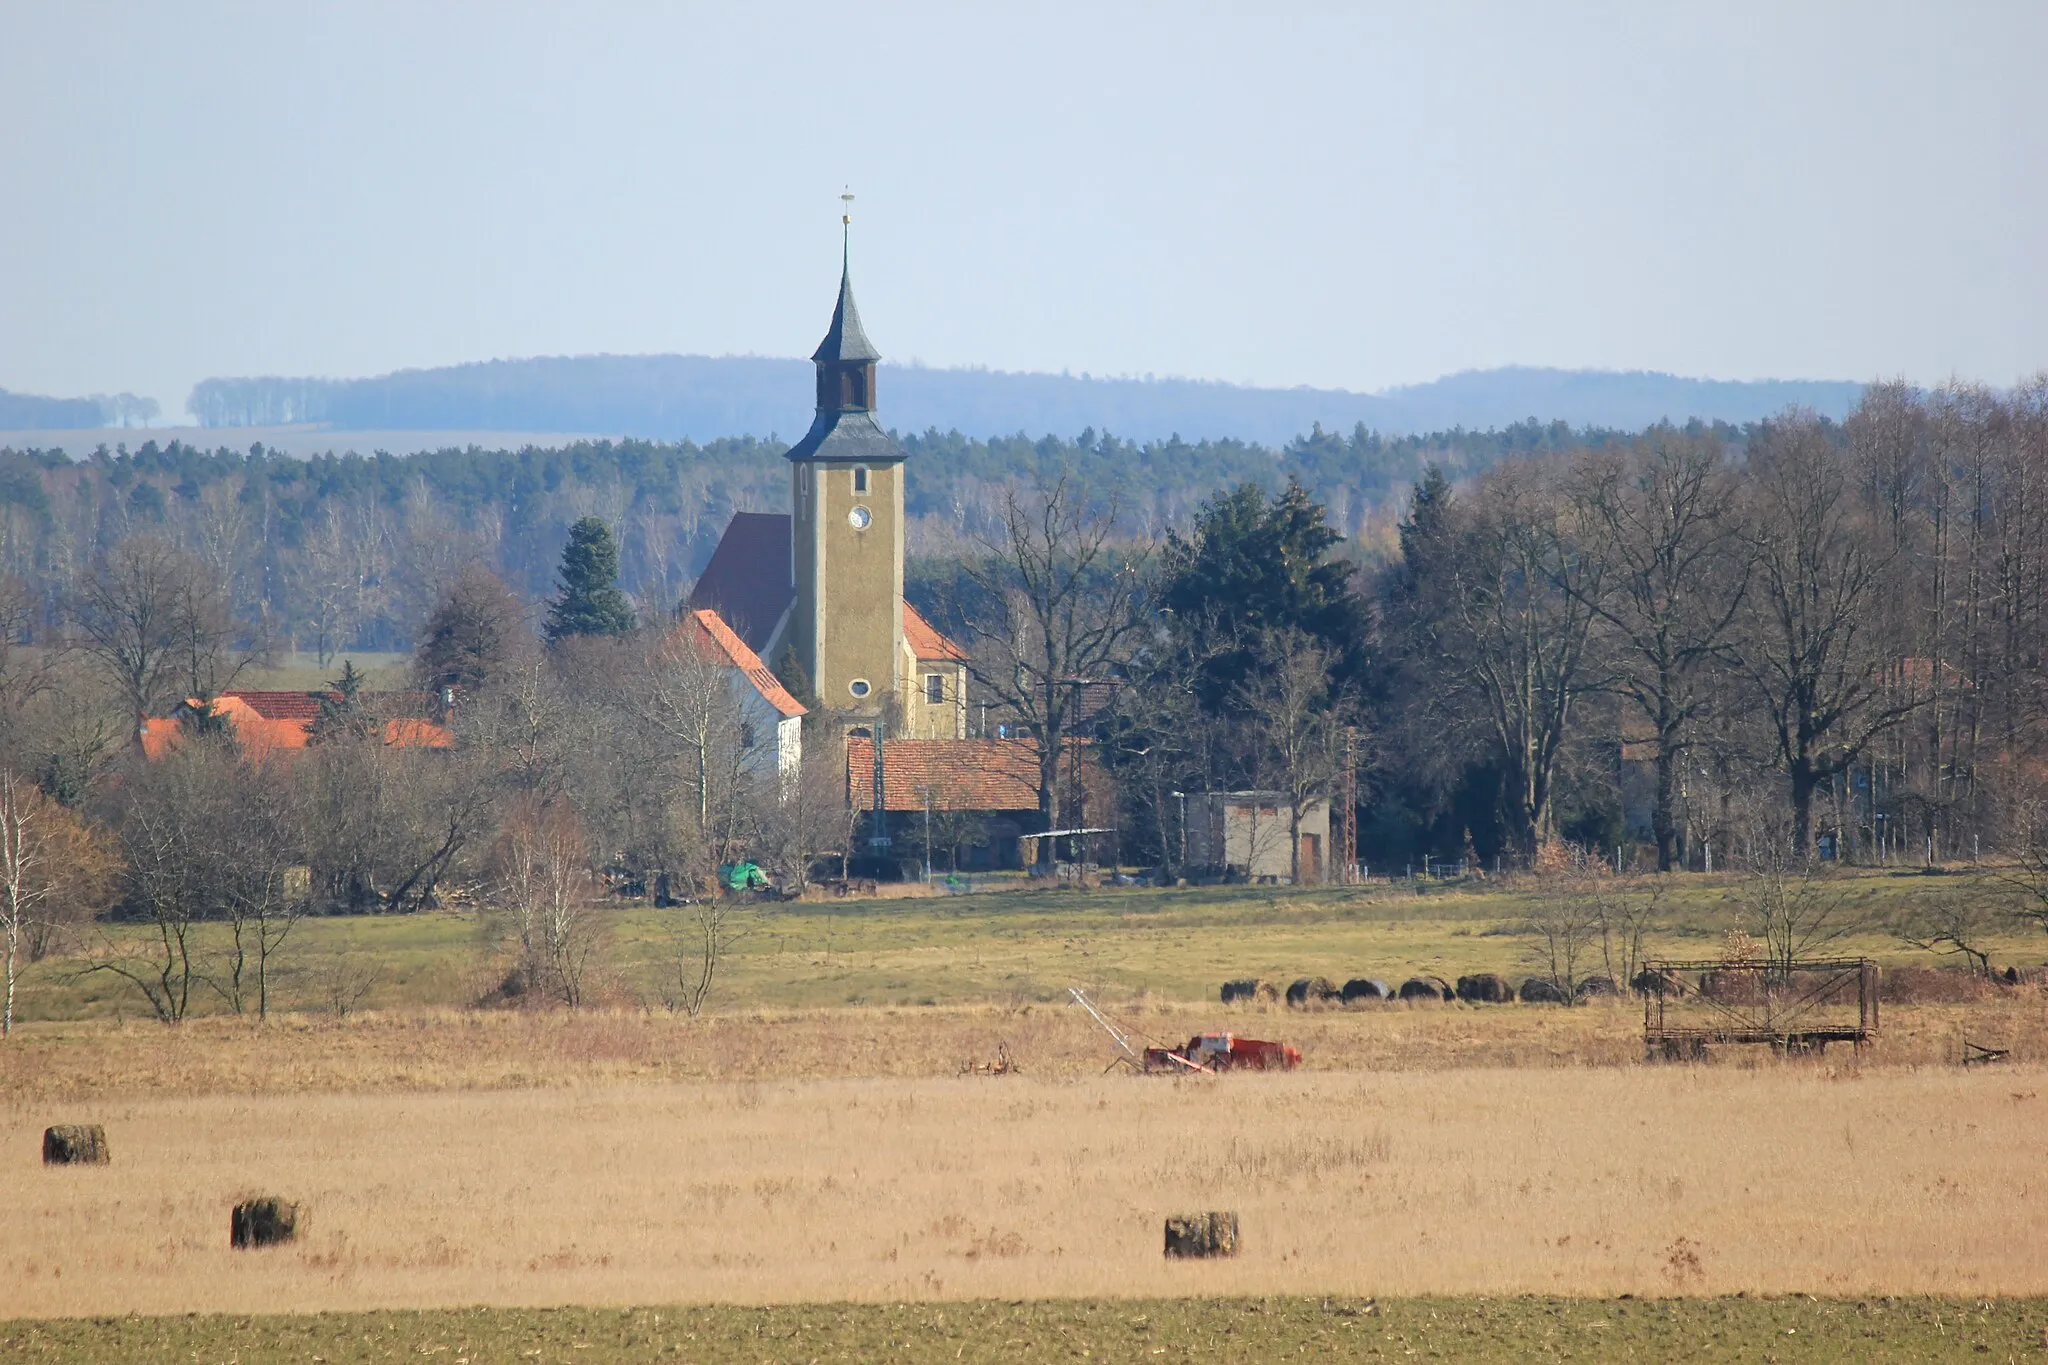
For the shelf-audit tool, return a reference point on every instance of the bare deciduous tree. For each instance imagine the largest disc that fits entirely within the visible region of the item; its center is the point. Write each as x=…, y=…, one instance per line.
x=1297, y=721
x=155, y=622
x=1052, y=603
x=1659, y=516
x=701, y=943
x=1565, y=923
x=545, y=893
x=1503, y=625
x=1810, y=650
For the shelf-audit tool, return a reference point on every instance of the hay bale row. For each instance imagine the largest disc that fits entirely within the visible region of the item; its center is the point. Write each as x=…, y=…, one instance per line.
x=258, y=1222
x=1479, y=988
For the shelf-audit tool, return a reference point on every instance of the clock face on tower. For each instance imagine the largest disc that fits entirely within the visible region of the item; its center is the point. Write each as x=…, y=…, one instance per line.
x=860, y=517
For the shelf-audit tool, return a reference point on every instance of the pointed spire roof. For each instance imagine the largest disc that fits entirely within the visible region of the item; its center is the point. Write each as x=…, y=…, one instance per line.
x=845, y=340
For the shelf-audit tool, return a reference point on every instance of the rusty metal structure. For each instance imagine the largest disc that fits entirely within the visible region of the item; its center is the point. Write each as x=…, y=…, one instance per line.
x=1796, y=1007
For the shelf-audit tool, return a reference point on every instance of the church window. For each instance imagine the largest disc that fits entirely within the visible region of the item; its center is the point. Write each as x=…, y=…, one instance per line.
x=935, y=688
x=860, y=517
x=859, y=687
x=860, y=479
x=747, y=735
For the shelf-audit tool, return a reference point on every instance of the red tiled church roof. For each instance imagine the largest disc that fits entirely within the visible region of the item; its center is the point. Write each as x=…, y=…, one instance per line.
x=727, y=648
x=925, y=640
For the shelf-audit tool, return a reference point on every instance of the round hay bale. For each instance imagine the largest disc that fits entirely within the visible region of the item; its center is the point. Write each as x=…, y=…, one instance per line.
x=1415, y=988
x=1250, y=990
x=1484, y=988
x=1647, y=982
x=1191, y=1235
x=1361, y=988
x=263, y=1222
x=75, y=1144
x=1594, y=986
x=1311, y=991
x=1541, y=990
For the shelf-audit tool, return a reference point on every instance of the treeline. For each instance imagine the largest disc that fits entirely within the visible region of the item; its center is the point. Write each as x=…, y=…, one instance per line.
x=1823, y=639
x=28, y=412
x=348, y=552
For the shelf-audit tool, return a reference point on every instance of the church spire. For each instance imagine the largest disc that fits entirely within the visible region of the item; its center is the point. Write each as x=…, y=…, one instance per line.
x=846, y=358
x=845, y=429
x=845, y=341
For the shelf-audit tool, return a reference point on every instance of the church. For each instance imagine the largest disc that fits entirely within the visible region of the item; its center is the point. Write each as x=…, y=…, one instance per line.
x=818, y=593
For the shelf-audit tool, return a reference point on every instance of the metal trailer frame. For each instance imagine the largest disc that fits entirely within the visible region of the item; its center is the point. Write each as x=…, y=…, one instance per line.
x=1788, y=1013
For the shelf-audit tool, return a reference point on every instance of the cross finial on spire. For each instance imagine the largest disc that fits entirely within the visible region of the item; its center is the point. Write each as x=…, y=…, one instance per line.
x=845, y=223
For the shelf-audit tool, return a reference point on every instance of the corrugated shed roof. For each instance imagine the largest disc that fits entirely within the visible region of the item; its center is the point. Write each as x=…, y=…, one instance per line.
x=731, y=650
x=747, y=581
x=963, y=774
x=925, y=640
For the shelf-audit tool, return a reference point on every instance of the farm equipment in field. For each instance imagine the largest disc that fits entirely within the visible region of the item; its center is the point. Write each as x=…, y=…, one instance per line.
x=1205, y=1052
x=1223, y=1052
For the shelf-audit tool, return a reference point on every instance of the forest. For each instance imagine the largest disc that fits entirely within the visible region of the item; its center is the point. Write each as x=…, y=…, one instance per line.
x=347, y=552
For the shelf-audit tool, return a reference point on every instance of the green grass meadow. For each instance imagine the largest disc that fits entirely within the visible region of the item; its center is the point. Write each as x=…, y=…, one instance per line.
x=1008, y=945
x=1462, y=1329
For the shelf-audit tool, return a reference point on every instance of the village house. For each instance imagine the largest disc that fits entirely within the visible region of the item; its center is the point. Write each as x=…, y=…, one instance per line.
x=267, y=722
x=1243, y=835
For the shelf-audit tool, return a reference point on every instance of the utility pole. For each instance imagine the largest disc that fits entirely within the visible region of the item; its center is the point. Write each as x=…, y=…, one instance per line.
x=1182, y=870
x=878, y=837
x=926, y=793
x=1348, y=789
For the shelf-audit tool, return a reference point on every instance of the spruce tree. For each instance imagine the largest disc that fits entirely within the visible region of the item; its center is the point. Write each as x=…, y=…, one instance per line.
x=590, y=602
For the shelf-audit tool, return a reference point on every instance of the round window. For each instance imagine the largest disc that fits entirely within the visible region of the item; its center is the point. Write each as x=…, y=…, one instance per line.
x=860, y=517
x=859, y=687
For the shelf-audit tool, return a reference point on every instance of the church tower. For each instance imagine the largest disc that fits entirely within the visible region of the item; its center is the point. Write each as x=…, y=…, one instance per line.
x=846, y=547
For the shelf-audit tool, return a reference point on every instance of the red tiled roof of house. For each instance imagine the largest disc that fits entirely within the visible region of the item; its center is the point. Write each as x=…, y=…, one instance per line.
x=412, y=732
x=728, y=648
x=747, y=581
x=282, y=705
x=268, y=722
x=963, y=774
x=925, y=639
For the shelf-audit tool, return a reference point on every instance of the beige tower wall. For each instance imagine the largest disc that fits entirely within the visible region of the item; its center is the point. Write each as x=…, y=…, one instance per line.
x=849, y=582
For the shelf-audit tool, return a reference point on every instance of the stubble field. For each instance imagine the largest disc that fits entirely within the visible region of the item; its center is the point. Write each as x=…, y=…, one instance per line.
x=1646, y=1181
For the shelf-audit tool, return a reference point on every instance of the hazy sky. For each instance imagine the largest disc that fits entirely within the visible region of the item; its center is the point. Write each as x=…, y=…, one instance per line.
x=1339, y=195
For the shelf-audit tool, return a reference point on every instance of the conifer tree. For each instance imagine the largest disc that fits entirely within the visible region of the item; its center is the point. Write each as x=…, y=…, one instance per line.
x=590, y=602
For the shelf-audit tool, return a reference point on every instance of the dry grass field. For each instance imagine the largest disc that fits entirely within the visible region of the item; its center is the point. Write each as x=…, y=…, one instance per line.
x=421, y=1050
x=1650, y=1181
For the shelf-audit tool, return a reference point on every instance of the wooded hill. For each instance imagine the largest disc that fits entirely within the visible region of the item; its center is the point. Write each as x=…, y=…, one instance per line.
x=677, y=397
